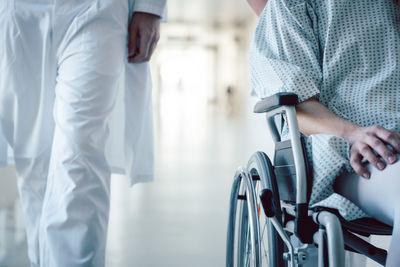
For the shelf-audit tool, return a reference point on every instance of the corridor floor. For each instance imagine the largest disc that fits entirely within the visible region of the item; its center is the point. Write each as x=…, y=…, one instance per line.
x=180, y=219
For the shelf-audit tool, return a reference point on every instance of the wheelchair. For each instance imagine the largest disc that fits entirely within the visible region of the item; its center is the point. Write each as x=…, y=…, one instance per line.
x=270, y=220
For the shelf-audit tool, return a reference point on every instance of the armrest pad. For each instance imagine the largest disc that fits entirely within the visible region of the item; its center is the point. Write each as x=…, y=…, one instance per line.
x=275, y=101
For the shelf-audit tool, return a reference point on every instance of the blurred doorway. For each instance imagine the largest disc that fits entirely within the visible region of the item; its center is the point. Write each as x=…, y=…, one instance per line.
x=185, y=90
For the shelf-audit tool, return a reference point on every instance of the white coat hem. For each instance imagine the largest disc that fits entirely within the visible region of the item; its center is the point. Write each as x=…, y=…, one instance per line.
x=142, y=179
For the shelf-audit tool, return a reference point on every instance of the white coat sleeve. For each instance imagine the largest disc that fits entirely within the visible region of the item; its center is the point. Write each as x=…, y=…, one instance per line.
x=156, y=7
x=285, y=53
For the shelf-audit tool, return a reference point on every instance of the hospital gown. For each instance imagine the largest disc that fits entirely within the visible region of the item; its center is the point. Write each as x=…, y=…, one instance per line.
x=346, y=53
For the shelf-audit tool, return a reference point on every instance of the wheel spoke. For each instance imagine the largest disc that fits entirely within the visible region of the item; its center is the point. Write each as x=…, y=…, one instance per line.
x=264, y=240
x=248, y=252
x=269, y=245
x=263, y=244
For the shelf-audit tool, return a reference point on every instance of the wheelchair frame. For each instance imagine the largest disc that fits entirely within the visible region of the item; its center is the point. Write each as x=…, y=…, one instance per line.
x=321, y=227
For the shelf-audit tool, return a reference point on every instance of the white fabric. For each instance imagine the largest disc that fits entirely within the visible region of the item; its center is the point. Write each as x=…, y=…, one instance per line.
x=72, y=109
x=129, y=149
x=30, y=139
x=157, y=7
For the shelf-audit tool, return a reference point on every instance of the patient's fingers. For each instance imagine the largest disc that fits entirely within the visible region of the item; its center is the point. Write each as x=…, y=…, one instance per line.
x=356, y=164
x=391, y=137
x=381, y=148
x=373, y=144
x=366, y=152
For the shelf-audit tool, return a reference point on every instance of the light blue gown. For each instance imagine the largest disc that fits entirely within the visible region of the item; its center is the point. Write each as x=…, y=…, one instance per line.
x=346, y=53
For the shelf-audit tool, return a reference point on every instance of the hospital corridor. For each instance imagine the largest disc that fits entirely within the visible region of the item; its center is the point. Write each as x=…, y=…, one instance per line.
x=204, y=129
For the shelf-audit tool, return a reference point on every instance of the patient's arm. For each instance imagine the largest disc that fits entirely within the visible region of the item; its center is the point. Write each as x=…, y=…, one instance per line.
x=257, y=5
x=315, y=118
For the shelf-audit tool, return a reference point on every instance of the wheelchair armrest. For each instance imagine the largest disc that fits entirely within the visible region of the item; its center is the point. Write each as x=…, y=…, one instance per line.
x=285, y=103
x=275, y=101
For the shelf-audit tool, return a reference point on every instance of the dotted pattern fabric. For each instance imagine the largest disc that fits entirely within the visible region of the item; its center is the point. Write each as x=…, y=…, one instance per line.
x=346, y=53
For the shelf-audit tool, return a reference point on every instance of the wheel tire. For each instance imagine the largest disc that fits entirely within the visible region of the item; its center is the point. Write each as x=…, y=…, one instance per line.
x=272, y=247
x=240, y=247
x=243, y=241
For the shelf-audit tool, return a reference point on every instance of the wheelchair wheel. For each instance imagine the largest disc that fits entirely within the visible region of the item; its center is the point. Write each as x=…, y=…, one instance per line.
x=271, y=245
x=242, y=238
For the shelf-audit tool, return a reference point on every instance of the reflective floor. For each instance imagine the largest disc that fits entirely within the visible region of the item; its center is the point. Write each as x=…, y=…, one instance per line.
x=180, y=219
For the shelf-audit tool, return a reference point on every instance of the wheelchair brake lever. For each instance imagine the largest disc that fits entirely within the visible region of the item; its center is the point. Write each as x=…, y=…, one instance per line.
x=267, y=201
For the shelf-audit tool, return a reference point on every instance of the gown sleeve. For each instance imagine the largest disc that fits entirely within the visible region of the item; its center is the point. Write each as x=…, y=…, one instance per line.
x=284, y=53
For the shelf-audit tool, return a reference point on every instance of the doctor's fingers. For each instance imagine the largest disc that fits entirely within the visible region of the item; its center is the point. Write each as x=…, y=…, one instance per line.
x=143, y=49
x=133, y=42
x=147, y=43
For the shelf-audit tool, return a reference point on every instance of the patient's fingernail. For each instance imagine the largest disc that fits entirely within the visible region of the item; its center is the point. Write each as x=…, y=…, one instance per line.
x=391, y=159
x=381, y=166
x=366, y=175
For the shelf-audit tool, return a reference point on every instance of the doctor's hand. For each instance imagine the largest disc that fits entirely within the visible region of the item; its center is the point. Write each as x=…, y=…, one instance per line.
x=367, y=140
x=144, y=33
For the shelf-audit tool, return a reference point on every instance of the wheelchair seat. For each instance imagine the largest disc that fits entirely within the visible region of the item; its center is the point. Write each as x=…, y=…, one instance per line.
x=367, y=226
x=362, y=226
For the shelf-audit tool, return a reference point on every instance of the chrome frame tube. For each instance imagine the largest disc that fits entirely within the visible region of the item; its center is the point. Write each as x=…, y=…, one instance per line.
x=272, y=128
x=321, y=247
x=335, y=243
x=271, y=122
x=278, y=227
x=301, y=177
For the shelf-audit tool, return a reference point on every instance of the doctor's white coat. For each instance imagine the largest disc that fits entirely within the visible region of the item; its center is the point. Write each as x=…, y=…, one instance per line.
x=129, y=149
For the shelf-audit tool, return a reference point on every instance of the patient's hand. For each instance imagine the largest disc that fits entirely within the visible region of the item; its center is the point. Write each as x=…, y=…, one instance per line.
x=315, y=118
x=365, y=140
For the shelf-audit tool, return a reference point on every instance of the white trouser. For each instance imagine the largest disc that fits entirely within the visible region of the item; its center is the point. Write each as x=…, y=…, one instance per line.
x=69, y=53
x=379, y=197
